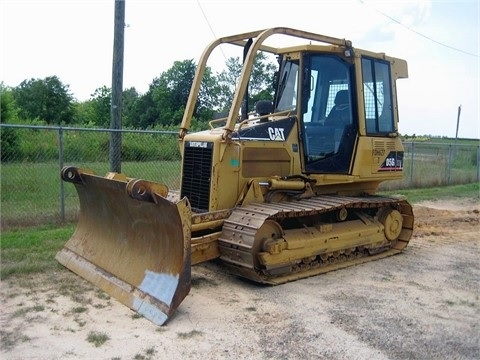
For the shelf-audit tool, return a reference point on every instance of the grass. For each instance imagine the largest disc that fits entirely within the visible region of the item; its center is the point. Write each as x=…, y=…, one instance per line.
x=430, y=169
x=149, y=353
x=200, y=281
x=189, y=335
x=97, y=338
x=32, y=250
x=470, y=191
x=22, y=311
x=79, y=309
x=9, y=339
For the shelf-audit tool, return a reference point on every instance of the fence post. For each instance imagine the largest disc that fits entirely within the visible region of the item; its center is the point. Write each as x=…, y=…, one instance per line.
x=449, y=163
x=60, y=163
x=411, y=164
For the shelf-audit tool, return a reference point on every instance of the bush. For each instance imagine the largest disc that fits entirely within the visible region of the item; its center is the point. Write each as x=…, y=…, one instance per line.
x=10, y=144
x=149, y=147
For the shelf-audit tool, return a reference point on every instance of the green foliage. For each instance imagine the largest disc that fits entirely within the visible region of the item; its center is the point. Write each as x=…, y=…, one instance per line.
x=470, y=191
x=32, y=251
x=164, y=102
x=129, y=107
x=33, y=145
x=85, y=146
x=143, y=112
x=260, y=85
x=208, y=97
x=37, y=146
x=46, y=99
x=227, y=80
x=101, y=103
x=85, y=113
x=8, y=108
x=97, y=338
x=262, y=80
x=9, y=144
x=147, y=147
x=170, y=92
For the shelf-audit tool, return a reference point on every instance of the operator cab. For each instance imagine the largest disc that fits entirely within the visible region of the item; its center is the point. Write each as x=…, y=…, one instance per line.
x=326, y=103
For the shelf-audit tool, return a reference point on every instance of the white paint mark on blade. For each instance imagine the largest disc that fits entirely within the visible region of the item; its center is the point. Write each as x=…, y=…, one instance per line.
x=160, y=286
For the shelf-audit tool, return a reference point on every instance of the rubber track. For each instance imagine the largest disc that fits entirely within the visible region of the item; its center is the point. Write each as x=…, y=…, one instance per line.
x=240, y=228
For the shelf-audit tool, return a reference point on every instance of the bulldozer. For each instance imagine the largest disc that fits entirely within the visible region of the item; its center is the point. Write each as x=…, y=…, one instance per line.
x=282, y=192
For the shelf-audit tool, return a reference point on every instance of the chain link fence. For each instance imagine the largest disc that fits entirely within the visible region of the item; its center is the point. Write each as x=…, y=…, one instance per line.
x=430, y=164
x=32, y=192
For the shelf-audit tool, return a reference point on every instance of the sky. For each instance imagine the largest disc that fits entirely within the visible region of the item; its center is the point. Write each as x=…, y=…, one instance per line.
x=73, y=40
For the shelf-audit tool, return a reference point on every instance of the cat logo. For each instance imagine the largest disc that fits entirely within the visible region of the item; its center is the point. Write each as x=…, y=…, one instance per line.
x=276, y=133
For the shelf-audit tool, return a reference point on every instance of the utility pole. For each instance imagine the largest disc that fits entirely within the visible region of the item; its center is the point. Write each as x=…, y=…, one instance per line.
x=458, y=125
x=117, y=88
x=458, y=122
x=453, y=154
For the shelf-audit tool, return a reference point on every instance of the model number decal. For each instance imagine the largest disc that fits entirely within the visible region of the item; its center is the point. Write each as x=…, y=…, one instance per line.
x=393, y=162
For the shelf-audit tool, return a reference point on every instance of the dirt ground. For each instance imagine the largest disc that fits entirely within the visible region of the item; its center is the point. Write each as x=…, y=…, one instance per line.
x=421, y=304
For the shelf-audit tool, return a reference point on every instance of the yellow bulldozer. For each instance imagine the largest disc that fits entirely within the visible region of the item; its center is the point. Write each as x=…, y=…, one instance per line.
x=280, y=193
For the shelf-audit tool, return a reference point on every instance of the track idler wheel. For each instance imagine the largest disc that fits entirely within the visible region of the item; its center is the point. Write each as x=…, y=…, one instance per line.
x=392, y=221
x=268, y=238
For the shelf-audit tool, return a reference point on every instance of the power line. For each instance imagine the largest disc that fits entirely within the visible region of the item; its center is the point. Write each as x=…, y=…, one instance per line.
x=419, y=33
x=206, y=19
x=210, y=26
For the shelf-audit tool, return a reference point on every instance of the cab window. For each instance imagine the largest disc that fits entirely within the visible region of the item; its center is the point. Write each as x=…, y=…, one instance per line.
x=287, y=89
x=327, y=113
x=377, y=96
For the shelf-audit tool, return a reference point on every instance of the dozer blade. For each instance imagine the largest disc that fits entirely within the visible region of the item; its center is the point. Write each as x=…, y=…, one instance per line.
x=131, y=242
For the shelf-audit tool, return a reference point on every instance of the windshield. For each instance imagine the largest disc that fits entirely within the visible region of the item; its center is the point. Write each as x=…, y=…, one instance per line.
x=287, y=89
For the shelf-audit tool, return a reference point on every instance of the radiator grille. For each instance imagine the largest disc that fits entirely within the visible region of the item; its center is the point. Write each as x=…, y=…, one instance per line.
x=197, y=170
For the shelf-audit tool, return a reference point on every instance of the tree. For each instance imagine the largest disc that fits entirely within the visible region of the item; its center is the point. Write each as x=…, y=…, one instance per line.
x=9, y=140
x=101, y=100
x=261, y=81
x=144, y=112
x=48, y=100
x=208, y=101
x=260, y=86
x=129, y=107
x=227, y=82
x=171, y=93
x=8, y=108
x=164, y=102
x=85, y=113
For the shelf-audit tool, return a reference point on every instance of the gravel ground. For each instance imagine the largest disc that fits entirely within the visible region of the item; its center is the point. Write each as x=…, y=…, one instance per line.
x=421, y=304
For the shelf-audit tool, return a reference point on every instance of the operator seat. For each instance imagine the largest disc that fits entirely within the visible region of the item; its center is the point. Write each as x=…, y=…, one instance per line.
x=340, y=115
